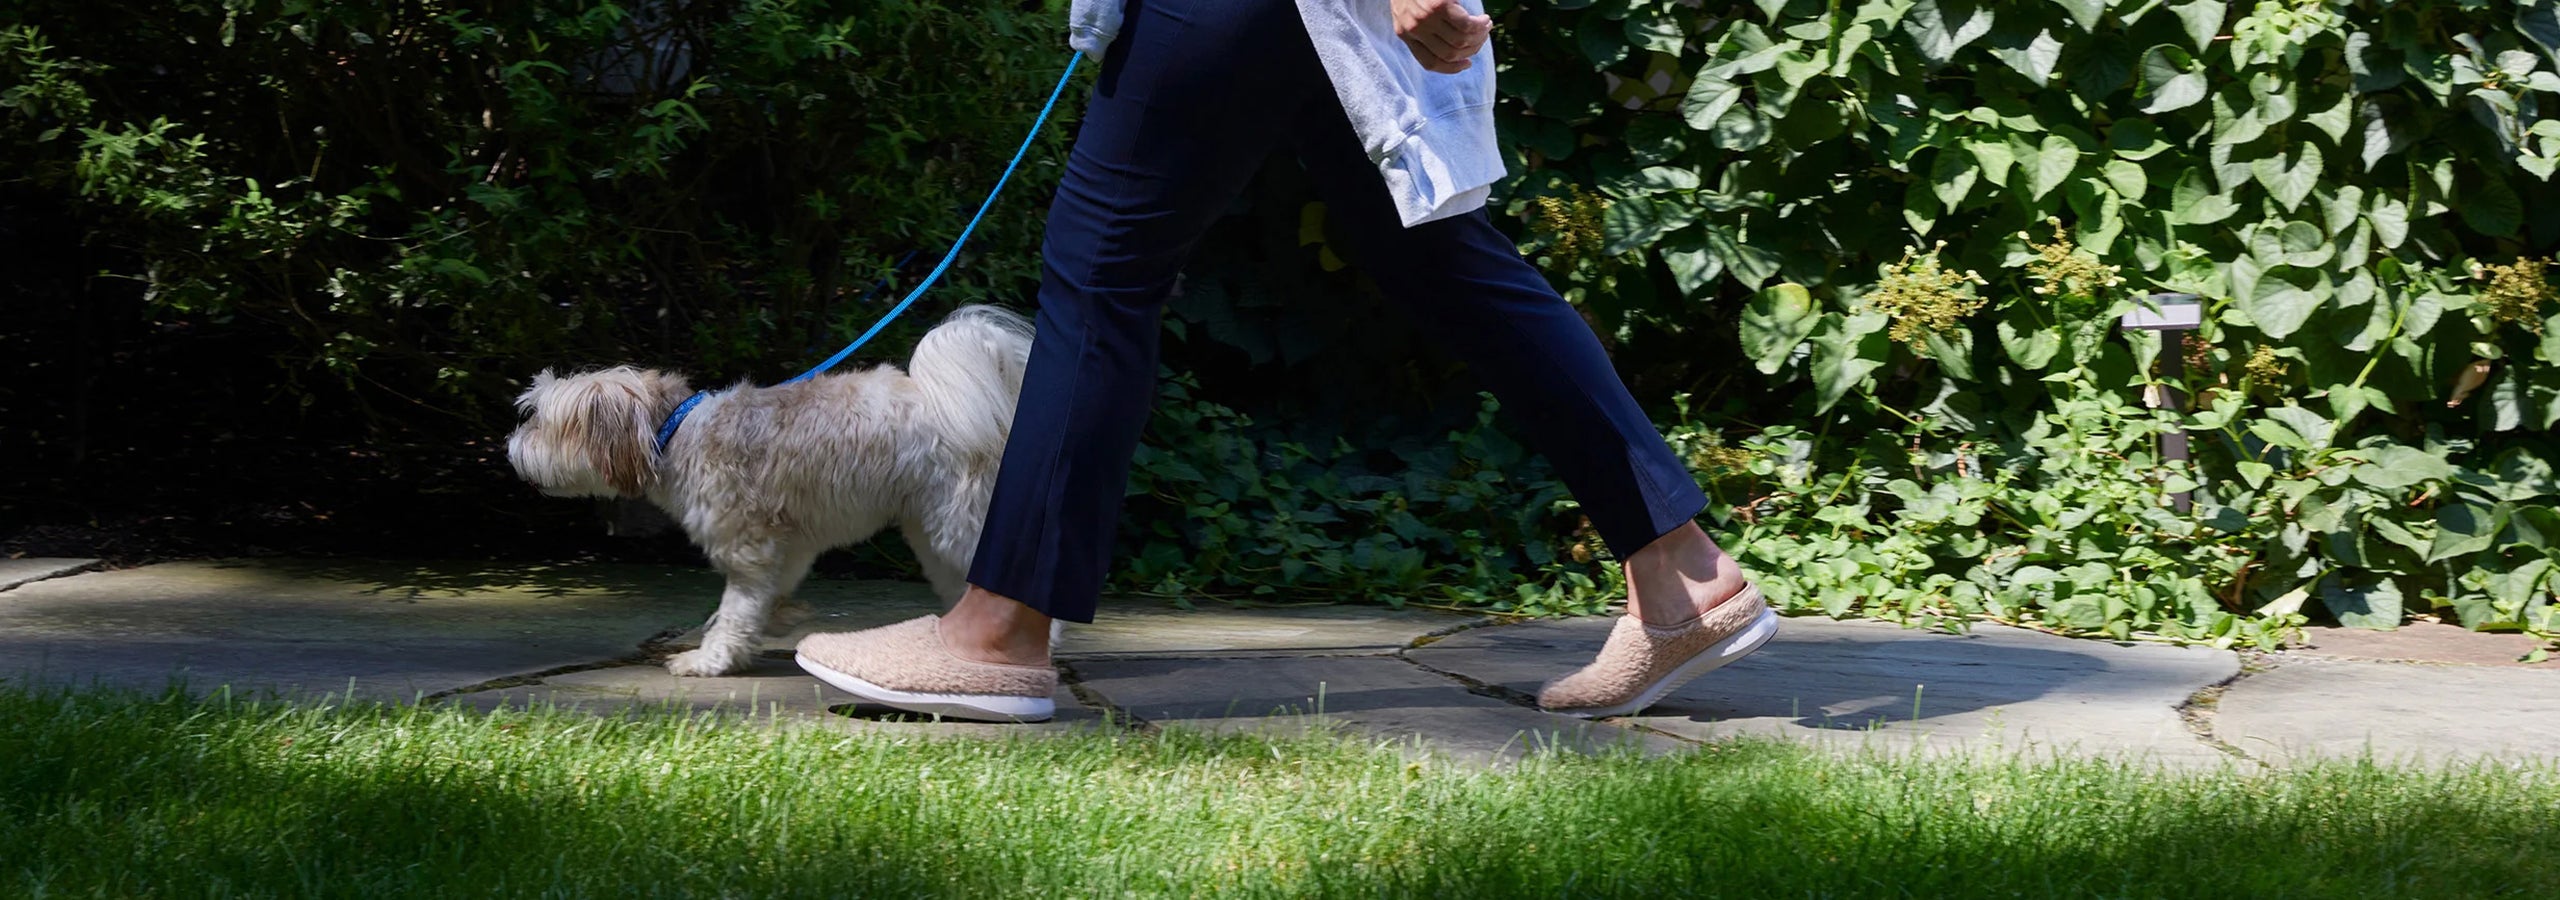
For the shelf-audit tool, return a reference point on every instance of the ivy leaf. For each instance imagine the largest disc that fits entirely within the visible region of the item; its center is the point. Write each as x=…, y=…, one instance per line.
x=2129, y=181
x=2203, y=20
x=1995, y=157
x=1775, y=322
x=2390, y=218
x=2396, y=467
x=1920, y=208
x=2085, y=13
x=2135, y=139
x=1664, y=179
x=2302, y=245
x=2236, y=119
x=1602, y=47
x=2521, y=476
x=2381, y=136
x=1708, y=99
x=2316, y=430
x=2279, y=305
x=1635, y=223
x=2053, y=164
x=2339, y=209
x=1942, y=27
x=2194, y=202
x=2029, y=344
x=2540, y=22
x=2463, y=529
x=2492, y=210
x=1952, y=176
x=2507, y=400
x=1748, y=262
x=2376, y=68
x=2373, y=606
x=2289, y=184
x=2034, y=56
x=1953, y=352
x=2105, y=65
x=2335, y=120
x=1845, y=351
x=2172, y=78
x=1741, y=128
x=1658, y=33
x=1692, y=267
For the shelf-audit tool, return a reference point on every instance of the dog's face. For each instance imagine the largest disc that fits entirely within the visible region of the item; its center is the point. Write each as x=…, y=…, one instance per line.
x=592, y=434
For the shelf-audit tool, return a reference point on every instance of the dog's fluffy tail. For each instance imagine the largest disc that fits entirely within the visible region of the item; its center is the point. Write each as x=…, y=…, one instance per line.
x=970, y=370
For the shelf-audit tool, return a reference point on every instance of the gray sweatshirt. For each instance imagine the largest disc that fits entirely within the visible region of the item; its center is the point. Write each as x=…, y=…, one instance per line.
x=1430, y=134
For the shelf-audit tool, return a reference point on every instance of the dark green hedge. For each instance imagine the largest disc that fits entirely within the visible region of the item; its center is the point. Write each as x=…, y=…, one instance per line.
x=1865, y=257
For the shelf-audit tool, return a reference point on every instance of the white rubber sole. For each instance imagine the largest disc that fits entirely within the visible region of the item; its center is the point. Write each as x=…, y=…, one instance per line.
x=1716, y=656
x=970, y=707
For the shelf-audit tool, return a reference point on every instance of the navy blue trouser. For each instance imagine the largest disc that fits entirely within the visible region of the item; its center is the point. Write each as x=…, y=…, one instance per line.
x=1192, y=96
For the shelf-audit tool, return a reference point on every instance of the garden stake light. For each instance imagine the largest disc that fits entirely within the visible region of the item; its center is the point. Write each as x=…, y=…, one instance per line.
x=2172, y=315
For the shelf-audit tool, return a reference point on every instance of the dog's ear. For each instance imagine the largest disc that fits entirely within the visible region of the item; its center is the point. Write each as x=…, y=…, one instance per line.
x=542, y=381
x=626, y=438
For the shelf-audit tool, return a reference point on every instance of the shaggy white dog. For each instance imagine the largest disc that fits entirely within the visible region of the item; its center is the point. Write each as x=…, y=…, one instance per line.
x=765, y=479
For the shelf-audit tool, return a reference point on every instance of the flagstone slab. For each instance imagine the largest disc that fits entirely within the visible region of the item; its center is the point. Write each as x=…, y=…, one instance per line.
x=1868, y=684
x=2309, y=709
x=1382, y=697
x=1129, y=628
x=15, y=572
x=378, y=629
x=772, y=689
x=2434, y=642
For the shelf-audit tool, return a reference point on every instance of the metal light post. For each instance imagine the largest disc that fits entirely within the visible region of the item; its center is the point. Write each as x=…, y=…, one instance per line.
x=2173, y=315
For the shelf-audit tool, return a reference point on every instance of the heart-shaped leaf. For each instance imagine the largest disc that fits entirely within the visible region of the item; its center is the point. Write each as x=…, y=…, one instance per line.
x=2203, y=20
x=2372, y=604
x=2193, y=201
x=1708, y=99
x=2032, y=54
x=2054, y=161
x=1777, y=319
x=2290, y=183
x=1942, y=27
x=2172, y=79
x=2279, y=304
x=1952, y=176
x=1845, y=351
x=2085, y=13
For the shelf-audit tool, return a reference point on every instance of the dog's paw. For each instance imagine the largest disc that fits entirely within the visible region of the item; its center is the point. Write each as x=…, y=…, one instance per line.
x=705, y=663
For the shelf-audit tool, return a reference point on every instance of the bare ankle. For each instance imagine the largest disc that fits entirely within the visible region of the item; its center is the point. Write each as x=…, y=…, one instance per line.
x=991, y=628
x=1679, y=577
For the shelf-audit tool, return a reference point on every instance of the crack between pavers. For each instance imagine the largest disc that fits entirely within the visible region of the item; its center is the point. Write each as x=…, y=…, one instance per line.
x=2197, y=711
x=652, y=649
x=1526, y=701
x=534, y=678
x=1435, y=635
x=92, y=566
x=1113, y=715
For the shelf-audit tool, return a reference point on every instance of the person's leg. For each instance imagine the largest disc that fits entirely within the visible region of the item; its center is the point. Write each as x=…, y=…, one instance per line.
x=1181, y=117
x=1466, y=283
x=1690, y=608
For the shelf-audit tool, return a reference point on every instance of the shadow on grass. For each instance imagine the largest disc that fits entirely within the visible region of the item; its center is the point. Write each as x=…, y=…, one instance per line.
x=130, y=795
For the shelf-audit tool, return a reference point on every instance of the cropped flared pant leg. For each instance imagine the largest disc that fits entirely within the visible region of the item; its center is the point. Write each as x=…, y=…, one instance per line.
x=1192, y=97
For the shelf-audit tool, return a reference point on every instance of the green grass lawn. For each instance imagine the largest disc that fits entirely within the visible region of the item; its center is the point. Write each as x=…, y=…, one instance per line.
x=106, y=794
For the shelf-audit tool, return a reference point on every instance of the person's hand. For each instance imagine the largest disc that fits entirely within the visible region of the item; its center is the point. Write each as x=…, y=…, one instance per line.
x=1441, y=33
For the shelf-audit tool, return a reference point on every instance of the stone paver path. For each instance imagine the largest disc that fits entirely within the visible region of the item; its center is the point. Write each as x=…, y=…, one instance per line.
x=590, y=637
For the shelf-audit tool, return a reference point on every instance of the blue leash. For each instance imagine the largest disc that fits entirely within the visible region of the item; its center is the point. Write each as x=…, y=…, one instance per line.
x=667, y=432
